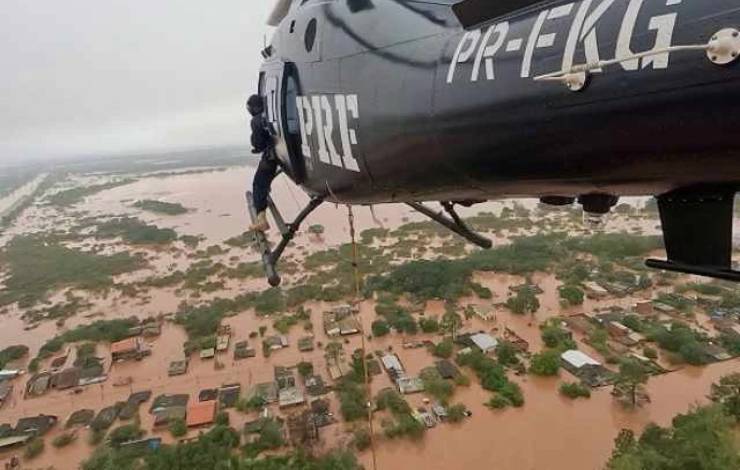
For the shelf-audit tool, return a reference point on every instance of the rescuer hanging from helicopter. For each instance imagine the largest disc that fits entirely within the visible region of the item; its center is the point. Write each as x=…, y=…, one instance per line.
x=262, y=142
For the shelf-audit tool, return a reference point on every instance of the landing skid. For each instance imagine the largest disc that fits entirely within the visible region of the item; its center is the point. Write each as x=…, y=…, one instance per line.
x=453, y=222
x=270, y=257
x=697, y=229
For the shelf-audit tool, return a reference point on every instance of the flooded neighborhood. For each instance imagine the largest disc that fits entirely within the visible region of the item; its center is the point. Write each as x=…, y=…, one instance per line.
x=136, y=316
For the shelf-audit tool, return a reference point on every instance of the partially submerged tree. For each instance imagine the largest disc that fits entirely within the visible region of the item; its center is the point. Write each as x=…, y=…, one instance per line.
x=632, y=376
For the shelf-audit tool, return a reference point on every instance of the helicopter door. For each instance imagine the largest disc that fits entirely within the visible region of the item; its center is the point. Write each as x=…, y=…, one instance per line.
x=279, y=88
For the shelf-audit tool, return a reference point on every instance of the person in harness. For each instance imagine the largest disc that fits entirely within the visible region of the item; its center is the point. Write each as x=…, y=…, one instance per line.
x=262, y=142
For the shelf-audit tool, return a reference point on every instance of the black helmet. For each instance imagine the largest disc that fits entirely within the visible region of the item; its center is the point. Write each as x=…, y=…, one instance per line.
x=255, y=105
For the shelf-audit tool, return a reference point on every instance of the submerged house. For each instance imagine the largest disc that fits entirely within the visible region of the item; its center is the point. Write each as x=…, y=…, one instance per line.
x=392, y=365
x=586, y=368
x=409, y=385
x=340, y=321
x=129, y=348
x=66, y=379
x=484, y=342
x=36, y=425
x=201, y=414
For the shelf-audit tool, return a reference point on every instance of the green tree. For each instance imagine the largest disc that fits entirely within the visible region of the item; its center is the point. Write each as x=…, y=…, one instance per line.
x=506, y=354
x=545, y=363
x=575, y=390
x=63, y=440
x=178, y=428
x=703, y=439
x=429, y=325
x=380, y=328
x=525, y=301
x=727, y=393
x=444, y=349
x=34, y=448
x=361, y=438
x=126, y=433
x=632, y=375
x=572, y=295
x=352, y=400
x=456, y=413
x=451, y=322
x=554, y=336
x=305, y=368
x=436, y=386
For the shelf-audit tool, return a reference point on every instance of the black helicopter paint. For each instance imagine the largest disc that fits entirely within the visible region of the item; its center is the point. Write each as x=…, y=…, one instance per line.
x=463, y=101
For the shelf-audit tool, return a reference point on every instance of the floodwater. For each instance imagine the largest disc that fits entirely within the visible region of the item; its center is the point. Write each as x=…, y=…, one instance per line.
x=19, y=194
x=549, y=432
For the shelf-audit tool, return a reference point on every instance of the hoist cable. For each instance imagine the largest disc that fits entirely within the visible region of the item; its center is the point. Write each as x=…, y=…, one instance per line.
x=355, y=310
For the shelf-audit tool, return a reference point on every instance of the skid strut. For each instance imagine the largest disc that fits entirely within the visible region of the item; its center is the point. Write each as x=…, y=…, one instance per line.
x=270, y=257
x=453, y=222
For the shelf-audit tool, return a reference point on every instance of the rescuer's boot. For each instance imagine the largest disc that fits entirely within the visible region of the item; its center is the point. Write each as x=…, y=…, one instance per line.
x=260, y=224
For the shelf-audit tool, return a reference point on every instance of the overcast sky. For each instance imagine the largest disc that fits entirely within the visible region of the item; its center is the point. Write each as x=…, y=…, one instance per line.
x=90, y=76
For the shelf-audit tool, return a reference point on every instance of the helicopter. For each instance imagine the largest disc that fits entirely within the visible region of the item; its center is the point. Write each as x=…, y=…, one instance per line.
x=465, y=101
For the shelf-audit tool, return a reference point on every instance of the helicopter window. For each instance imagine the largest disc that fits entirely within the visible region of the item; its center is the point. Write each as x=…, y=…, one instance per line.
x=292, y=26
x=291, y=108
x=310, y=37
x=474, y=12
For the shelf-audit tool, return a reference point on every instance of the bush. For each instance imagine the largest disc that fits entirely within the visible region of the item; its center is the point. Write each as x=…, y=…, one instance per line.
x=127, y=433
x=271, y=435
x=572, y=295
x=397, y=317
x=391, y=400
x=498, y=402
x=436, y=386
x=506, y=354
x=63, y=440
x=575, y=390
x=512, y=392
x=305, y=368
x=405, y=425
x=135, y=232
x=256, y=403
x=223, y=419
x=680, y=339
x=380, y=328
x=352, y=400
x=650, y=353
x=34, y=448
x=462, y=380
x=12, y=353
x=429, y=325
x=444, y=349
x=546, y=363
x=361, y=439
x=456, y=413
x=525, y=301
x=178, y=428
x=96, y=436
x=161, y=207
x=556, y=337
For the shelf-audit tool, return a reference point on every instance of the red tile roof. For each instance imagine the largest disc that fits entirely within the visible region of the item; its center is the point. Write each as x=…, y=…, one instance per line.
x=202, y=413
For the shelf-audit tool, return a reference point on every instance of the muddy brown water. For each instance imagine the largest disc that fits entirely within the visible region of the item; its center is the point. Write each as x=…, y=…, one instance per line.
x=549, y=432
